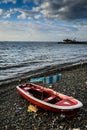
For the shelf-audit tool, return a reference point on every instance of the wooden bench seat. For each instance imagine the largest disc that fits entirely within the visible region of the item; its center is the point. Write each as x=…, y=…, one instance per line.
x=49, y=98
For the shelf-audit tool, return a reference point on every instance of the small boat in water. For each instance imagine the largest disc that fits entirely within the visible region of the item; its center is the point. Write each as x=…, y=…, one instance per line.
x=49, y=99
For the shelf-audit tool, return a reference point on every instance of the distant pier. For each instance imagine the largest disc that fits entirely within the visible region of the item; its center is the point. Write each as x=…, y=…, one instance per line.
x=69, y=41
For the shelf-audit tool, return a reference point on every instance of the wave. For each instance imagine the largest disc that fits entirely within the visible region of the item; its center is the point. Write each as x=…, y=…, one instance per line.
x=41, y=71
x=25, y=64
x=43, y=62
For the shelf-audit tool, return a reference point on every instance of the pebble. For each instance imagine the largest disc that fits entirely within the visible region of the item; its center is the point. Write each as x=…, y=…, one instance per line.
x=61, y=127
x=86, y=82
x=76, y=129
x=13, y=103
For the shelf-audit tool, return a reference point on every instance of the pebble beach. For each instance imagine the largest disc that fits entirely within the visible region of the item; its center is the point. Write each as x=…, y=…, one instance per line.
x=13, y=108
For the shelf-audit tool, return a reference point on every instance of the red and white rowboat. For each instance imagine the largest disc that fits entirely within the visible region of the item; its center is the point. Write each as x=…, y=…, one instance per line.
x=49, y=99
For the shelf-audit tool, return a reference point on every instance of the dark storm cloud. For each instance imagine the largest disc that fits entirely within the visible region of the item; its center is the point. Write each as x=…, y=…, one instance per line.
x=65, y=9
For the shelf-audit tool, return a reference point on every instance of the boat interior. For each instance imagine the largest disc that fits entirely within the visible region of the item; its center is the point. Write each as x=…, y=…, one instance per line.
x=47, y=95
x=41, y=94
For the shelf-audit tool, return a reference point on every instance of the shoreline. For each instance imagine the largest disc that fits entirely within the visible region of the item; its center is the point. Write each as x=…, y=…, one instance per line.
x=44, y=71
x=13, y=108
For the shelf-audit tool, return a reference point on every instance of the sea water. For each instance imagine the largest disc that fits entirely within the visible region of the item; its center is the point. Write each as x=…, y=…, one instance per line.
x=18, y=58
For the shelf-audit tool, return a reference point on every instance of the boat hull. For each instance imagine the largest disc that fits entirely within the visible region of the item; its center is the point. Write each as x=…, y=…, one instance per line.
x=67, y=105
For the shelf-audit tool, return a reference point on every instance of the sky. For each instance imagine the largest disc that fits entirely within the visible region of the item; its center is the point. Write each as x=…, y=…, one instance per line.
x=43, y=20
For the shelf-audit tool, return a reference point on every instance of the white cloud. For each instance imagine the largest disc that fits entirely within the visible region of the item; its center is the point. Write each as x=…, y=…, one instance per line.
x=7, y=15
x=37, y=16
x=1, y=11
x=7, y=1
x=63, y=9
x=21, y=13
x=36, y=9
x=35, y=1
x=45, y=5
x=22, y=16
x=37, y=31
x=26, y=14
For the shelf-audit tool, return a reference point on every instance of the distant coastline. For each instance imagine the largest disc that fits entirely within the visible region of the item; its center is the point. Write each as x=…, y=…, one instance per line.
x=69, y=41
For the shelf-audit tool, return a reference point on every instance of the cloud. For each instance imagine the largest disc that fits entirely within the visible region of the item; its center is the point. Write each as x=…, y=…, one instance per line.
x=24, y=14
x=45, y=20
x=1, y=11
x=8, y=13
x=63, y=9
x=34, y=1
x=21, y=13
x=37, y=16
x=7, y=1
x=37, y=31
